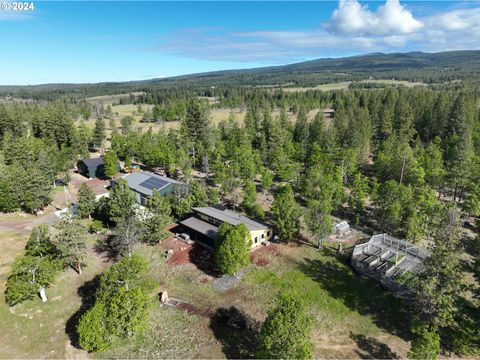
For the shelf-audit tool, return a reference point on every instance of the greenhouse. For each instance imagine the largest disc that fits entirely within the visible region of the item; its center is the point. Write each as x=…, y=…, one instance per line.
x=393, y=262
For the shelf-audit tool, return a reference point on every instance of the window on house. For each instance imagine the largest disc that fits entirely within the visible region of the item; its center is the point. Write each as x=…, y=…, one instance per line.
x=263, y=236
x=256, y=239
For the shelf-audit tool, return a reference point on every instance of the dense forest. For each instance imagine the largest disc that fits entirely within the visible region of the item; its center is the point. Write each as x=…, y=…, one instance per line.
x=400, y=160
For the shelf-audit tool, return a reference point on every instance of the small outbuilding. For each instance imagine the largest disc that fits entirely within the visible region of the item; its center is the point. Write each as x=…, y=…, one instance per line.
x=341, y=228
x=91, y=168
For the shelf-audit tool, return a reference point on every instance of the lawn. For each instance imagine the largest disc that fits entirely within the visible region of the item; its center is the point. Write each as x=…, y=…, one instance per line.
x=34, y=329
x=354, y=317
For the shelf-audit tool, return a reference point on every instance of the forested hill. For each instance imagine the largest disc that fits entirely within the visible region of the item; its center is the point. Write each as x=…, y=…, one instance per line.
x=414, y=66
x=371, y=63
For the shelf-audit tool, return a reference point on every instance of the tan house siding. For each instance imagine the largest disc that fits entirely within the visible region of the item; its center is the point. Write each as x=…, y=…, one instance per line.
x=258, y=236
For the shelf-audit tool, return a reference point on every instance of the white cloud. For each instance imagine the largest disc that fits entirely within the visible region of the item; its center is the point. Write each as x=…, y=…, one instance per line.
x=392, y=18
x=352, y=29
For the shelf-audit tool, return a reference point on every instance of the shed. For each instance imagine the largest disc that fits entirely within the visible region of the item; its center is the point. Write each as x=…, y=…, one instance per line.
x=91, y=168
x=341, y=228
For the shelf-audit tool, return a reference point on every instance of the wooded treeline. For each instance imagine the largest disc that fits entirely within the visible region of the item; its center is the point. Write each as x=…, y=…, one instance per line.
x=399, y=160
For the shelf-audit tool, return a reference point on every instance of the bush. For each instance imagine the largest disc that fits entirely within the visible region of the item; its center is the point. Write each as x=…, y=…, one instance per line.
x=127, y=312
x=28, y=275
x=286, y=332
x=426, y=344
x=96, y=226
x=92, y=330
x=123, y=303
x=257, y=212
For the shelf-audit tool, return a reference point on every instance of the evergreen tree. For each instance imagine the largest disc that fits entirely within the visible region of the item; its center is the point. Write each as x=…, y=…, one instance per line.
x=319, y=220
x=71, y=243
x=358, y=195
x=122, y=201
x=126, y=123
x=233, y=246
x=286, y=333
x=122, y=305
x=159, y=217
x=86, y=201
x=99, y=133
x=442, y=281
x=249, y=196
x=286, y=213
x=110, y=161
x=35, y=271
x=92, y=329
x=128, y=233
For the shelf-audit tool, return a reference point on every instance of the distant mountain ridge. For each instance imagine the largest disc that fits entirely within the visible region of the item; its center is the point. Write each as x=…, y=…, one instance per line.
x=412, y=66
x=364, y=63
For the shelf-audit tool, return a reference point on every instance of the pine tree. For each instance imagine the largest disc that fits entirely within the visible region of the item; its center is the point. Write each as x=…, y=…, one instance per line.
x=128, y=233
x=122, y=201
x=442, y=281
x=358, y=195
x=233, y=246
x=319, y=219
x=249, y=196
x=86, y=201
x=286, y=213
x=99, y=133
x=159, y=217
x=71, y=243
x=110, y=161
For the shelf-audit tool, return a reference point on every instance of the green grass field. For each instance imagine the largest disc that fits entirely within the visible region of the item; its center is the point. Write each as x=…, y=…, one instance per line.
x=344, y=85
x=353, y=317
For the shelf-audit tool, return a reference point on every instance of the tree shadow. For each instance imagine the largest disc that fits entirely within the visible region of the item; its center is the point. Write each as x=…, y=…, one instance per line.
x=359, y=294
x=87, y=294
x=371, y=348
x=104, y=248
x=204, y=260
x=236, y=331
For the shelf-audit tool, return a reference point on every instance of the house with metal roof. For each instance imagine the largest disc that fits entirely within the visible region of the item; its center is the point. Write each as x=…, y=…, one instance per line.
x=203, y=226
x=144, y=182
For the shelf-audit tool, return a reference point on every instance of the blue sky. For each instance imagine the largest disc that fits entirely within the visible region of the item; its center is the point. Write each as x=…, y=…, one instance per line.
x=120, y=41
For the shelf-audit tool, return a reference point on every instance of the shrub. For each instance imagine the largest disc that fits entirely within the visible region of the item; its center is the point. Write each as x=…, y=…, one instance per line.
x=96, y=226
x=92, y=330
x=286, y=332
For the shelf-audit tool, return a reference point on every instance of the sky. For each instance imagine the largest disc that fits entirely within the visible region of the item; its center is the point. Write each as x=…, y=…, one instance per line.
x=85, y=42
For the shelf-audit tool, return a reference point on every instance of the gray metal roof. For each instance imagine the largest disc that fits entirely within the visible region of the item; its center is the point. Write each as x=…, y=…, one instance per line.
x=138, y=180
x=93, y=162
x=231, y=217
x=201, y=226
